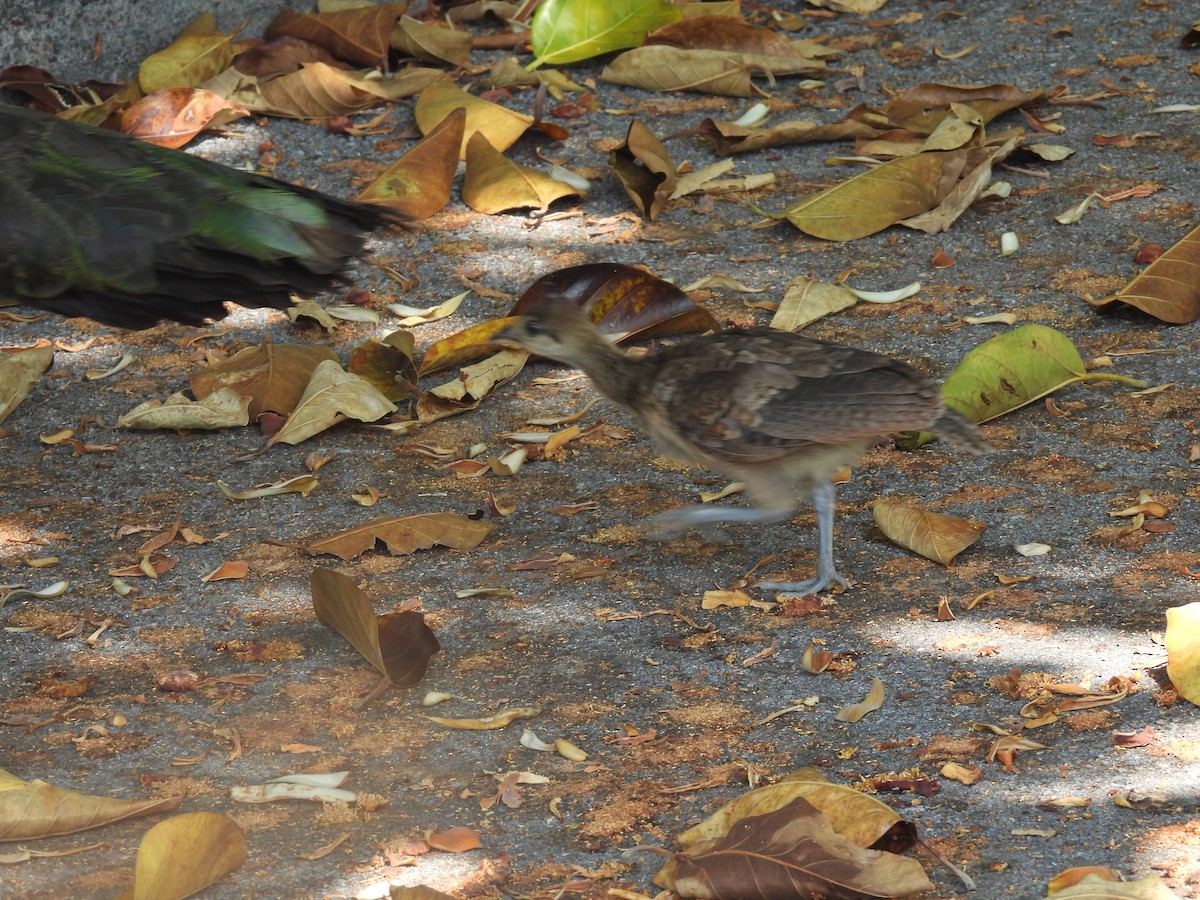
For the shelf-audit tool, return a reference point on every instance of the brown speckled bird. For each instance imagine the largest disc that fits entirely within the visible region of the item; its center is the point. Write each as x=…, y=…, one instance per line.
x=769, y=408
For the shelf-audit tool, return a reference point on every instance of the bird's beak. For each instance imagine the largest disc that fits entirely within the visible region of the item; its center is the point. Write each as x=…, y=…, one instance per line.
x=507, y=336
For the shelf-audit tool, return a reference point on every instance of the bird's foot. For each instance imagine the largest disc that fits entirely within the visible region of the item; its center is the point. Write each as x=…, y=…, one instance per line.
x=822, y=581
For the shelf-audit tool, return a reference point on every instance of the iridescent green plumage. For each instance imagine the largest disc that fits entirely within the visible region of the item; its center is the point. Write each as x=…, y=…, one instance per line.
x=94, y=223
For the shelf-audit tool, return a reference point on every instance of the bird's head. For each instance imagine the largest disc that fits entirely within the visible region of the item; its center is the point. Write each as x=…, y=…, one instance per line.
x=553, y=327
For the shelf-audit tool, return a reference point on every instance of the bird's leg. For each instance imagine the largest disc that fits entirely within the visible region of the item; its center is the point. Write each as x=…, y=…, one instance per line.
x=827, y=573
x=672, y=523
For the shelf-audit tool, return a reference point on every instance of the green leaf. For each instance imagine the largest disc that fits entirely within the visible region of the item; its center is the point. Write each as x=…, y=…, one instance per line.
x=1012, y=370
x=565, y=31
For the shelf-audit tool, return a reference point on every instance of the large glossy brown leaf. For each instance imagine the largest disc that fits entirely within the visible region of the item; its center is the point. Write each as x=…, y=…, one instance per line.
x=398, y=645
x=645, y=170
x=1169, y=288
x=362, y=34
x=418, y=183
x=792, y=852
x=404, y=535
x=622, y=300
x=273, y=376
x=619, y=300
x=34, y=809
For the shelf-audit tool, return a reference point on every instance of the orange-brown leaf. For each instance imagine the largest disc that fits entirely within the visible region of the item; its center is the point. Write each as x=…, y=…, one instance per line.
x=404, y=535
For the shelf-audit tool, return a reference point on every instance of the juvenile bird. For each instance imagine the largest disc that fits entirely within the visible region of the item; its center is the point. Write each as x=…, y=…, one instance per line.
x=769, y=408
x=97, y=224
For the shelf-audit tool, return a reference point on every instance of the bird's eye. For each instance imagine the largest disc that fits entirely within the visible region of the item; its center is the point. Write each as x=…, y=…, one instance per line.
x=533, y=326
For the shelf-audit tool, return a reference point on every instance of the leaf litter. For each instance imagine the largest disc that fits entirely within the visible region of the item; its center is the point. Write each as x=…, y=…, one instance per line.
x=928, y=119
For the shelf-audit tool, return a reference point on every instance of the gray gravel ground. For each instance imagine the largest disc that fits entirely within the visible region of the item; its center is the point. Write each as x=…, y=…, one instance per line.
x=1095, y=610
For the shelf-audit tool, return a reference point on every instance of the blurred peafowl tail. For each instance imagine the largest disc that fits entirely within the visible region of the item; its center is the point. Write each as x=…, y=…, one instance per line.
x=97, y=224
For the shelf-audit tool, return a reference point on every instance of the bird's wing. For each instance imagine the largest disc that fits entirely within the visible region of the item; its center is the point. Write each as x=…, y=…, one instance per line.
x=756, y=394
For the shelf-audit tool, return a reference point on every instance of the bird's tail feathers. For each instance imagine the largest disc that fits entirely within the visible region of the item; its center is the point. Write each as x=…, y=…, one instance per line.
x=960, y=431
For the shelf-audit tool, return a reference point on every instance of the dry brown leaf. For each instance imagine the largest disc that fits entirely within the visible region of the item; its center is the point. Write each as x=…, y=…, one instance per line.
x=234, y=568
x=932, y=535
x=387, y=364
x=319, y=90
x=173, y=116
x=502, y=719
x=361, y=34
x=729, y=137
x=1169, y=288
x=1102, y=883
x=196, y=55
x=494, y=184
x=19, y=372
x=645, y=170
x=960, y=773
x=716, y=32
x=791, y=852
x=418, y=183
x=30, y=810
x=923, y=107
x=1183, y=650
x=873, y=701
x=185, y=854
x=806, y=300
x=398, y=645
x=455, y=840
x=404, y=535
x=881, y=196
x=431, y=43
x=332, y=396
x=501, y=126
x=273, y=376
x=419, y=892
x=726, y=73
x=220, y=409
